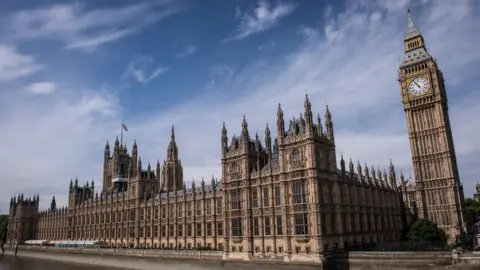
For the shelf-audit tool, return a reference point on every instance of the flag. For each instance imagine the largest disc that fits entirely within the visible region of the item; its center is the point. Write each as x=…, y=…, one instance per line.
x=124, y=127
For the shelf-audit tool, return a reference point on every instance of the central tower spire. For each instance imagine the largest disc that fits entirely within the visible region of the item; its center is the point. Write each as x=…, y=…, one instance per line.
x=172, y=173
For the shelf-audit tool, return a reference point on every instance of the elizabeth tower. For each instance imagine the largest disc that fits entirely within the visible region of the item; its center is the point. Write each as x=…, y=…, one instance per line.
x=439, y=195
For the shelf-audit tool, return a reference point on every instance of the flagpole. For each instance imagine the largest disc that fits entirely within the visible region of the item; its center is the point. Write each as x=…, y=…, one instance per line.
x=121, y=133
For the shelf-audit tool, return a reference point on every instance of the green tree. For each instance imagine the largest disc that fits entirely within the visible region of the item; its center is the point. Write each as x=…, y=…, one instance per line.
x=424, y=230
x=3, y=227
x=472, y=208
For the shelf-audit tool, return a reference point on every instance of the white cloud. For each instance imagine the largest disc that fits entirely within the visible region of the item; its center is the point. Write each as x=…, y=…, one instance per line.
x=351, y=64
x=267, y=45
x=220, y=74
x=144, y=70
x=60, y=136
x=83, y=28
x=41, y=88
x=263, y=17
x=189, y=50
x=14, y=65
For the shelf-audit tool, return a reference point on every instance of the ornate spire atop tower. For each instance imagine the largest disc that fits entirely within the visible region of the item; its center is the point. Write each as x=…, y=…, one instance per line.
x=244, y=127
x=412, y=30
x=172, y=151
x=172, y=134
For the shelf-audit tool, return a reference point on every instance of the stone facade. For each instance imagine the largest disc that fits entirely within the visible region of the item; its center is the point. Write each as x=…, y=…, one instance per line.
x=437, y=188
x=284, y=196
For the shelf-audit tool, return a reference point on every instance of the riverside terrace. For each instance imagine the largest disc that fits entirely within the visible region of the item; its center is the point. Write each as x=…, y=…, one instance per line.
x=154, y=259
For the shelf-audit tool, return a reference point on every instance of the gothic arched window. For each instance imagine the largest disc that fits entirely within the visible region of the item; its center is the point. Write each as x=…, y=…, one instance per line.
x=234, y=168
x=295, y=156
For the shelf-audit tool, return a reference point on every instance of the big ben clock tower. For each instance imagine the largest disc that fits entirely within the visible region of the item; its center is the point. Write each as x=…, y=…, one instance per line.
x=439, y=193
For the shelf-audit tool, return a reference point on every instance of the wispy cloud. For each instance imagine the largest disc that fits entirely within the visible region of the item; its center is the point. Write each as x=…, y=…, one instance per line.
x=143, y=69
x=220, y=74
x=83, y=28
x=263, y=17
x=267, y=45
x=41, y=88
x=189, y=50
x=14, y=65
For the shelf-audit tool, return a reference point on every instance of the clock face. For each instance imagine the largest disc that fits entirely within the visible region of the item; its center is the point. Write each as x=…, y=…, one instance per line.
x=418, y=86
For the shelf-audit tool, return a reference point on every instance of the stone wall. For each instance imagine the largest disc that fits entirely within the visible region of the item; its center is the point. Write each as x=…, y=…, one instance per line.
x=347, y=261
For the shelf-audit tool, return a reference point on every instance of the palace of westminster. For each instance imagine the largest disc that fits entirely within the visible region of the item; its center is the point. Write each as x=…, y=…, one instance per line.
x=282, y=197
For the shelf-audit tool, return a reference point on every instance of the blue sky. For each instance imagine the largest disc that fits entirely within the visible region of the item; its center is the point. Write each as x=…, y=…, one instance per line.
x=71, y=71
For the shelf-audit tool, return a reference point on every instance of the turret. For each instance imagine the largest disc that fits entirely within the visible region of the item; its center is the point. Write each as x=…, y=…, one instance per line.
x=149, y=171
x=374, y=177
x=139, y=167
x=117, y=146
x=329, y=125
x=107, y=150
x=224, y=139
x=280, y=124
x=172, y=151
x=268, y=141
x=53, y=204
x=245, y=135
x=385, y=178
x=379, y=176
x=342, y=164
x=367, y=174
x=350, y=166
x=134, y=154
x=308, y=116
x=157, y=170
x=257, y=143
x=392, y=176
x=402, y=179
x=359, y=172
x=71, y=186
x=319, y=126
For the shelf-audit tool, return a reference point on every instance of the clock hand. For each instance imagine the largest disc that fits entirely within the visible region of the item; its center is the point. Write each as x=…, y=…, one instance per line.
x=417, y=84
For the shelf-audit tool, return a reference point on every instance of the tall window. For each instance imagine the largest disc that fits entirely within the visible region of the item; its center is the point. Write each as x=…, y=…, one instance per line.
x=256, y=226
x=220, y=228
x=254, y=198
x=279, y=225
x=237, y=227
x=209, y=207
x=278, y=200
x=299, y=192
x=199, y=229
x=234, y=168
x=301, y=224
x=180, y=230
x=265, y=196
x=209, y=229
x=171, y=210
x=235, y=197
x=189, y=209
x=219, y=206
x=267, y=226
x=189, y=229
x=295, y=156
x=198, y=208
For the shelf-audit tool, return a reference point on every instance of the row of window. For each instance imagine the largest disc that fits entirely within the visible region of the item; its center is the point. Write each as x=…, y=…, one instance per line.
x=299, y=196
x=145, y=214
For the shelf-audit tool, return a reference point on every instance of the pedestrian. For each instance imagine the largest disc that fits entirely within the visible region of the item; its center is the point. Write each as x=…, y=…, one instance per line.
x=2, y=246
x=16, y=249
